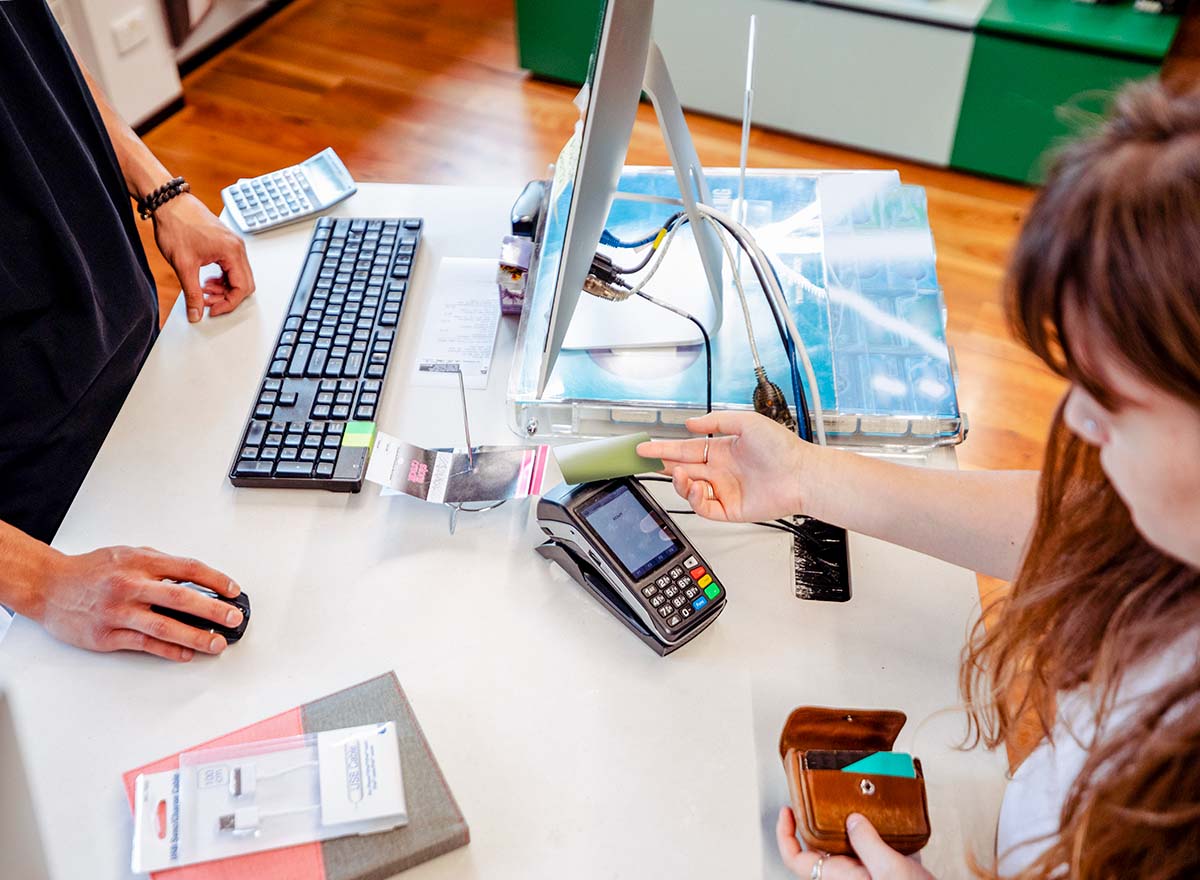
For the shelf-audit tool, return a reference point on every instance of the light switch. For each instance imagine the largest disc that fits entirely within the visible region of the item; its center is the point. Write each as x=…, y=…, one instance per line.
x=130, y=30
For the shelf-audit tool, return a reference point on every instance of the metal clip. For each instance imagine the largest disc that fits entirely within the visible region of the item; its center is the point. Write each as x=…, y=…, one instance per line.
x=867, y=787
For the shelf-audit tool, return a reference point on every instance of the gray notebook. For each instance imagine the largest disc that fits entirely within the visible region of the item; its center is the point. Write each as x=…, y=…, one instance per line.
x=435, y=824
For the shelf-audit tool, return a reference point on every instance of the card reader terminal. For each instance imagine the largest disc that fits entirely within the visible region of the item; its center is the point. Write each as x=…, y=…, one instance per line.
x=618, y=530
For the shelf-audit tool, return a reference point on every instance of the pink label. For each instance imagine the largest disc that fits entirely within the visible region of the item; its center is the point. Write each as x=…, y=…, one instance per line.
x=417, y=471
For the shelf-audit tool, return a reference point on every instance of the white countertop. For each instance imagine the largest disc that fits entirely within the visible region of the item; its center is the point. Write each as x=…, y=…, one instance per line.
x=571, y=748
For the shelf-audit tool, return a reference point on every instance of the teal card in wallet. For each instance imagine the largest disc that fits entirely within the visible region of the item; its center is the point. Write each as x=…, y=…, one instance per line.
x=884, y=764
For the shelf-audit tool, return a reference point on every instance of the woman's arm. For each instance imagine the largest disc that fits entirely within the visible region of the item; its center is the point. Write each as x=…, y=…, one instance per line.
x=759, y=470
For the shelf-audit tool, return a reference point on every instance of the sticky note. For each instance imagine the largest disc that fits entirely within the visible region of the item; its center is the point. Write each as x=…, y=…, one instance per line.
x=605, y=459
x=359, y=434
x=884, y=764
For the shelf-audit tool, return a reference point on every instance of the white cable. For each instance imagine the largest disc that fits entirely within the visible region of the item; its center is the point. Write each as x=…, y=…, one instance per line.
x=746, y=239
x=736, y=271
x=248, y=820
x=662, y=253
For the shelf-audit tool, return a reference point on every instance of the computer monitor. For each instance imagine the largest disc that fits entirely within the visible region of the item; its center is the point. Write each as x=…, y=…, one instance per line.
x=626, y=63
x=20, y=841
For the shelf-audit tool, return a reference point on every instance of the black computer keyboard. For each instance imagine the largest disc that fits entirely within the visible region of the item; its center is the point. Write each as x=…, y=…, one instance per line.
x=311, y=423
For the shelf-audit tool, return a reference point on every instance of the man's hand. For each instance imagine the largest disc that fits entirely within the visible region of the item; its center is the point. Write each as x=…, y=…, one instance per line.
x=189, y=237
x=876, y=860
x=101, y=601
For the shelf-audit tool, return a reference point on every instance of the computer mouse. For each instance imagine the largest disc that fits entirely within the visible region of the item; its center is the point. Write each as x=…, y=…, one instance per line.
x=231, y=634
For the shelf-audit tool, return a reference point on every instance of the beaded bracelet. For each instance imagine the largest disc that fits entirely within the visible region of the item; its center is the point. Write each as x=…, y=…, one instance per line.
x=155, y=200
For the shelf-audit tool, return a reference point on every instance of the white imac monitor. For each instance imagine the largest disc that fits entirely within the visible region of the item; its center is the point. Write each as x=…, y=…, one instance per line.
x=626, y=63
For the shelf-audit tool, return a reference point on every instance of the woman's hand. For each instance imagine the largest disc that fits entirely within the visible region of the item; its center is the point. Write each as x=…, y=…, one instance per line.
x=756, y=472
x=190, y=237
x=876, y=860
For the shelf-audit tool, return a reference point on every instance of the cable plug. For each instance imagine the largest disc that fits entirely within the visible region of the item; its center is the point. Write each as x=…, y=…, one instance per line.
x=770, y=402
x=244, y=820
x=603, y=269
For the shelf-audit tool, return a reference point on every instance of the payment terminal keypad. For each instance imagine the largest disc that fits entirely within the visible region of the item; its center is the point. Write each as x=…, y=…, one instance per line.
x=683, y=590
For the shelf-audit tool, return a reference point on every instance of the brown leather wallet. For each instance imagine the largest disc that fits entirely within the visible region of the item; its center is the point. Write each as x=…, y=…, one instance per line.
x=822, y=798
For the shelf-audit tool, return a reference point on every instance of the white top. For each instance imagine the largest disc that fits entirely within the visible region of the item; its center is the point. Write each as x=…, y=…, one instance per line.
x=565, y=741
x=1033, y=801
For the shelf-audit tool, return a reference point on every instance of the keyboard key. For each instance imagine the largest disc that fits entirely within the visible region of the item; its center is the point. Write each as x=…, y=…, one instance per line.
x=365, y=413
x=375, y=371
x=253, y=469
x=353, y=364
x=674, y=621
x=294, y=469
x=264, y=411
x=316, y=366
x=249, y=453
x=325, y=470
x=329, y=455
x=699, y=602
x=320, y=411
x=299, y=361
x=288, y=399
x=278, y=369
x=255, y=433
x=308, y=455
x=341, y=412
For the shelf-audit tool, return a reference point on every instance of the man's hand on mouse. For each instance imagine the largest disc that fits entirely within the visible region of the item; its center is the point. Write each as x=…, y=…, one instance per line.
x=101, y=601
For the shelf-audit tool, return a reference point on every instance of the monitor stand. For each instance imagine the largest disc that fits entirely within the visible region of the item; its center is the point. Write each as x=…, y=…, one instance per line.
x=691, y=286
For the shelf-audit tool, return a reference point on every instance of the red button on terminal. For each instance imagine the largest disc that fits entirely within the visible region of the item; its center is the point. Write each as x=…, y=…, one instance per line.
x=697, y=573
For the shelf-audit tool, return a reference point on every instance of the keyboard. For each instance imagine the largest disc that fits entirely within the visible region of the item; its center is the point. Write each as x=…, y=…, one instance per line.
x=313, y=419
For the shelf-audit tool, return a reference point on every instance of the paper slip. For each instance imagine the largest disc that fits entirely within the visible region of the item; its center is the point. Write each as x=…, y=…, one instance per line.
x=460, y=330
x=444, y=476
x=6, y=619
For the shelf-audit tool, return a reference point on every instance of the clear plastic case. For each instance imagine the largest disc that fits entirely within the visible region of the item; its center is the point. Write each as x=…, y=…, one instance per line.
x=239, y=799
x=856, y=260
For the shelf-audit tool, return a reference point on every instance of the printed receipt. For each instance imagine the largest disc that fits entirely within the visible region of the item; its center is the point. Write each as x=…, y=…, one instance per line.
x=460, y=331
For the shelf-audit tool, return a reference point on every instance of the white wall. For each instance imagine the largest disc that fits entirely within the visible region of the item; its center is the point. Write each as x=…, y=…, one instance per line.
x=138, y=82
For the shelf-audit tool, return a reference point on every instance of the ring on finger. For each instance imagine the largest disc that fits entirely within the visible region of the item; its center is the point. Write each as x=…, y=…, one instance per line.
x=818, y=866
x=706, y=450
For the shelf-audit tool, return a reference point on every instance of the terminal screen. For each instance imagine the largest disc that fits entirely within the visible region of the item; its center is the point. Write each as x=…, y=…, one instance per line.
x=632, y=533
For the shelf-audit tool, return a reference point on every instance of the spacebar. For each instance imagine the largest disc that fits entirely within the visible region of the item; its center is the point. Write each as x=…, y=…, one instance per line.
x=308, y=278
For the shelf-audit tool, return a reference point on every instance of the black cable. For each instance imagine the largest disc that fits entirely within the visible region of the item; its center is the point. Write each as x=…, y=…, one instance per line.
x=708, y=371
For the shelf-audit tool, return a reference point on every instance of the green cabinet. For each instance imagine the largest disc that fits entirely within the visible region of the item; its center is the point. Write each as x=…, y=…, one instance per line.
x=1024, y=98
x=555, y=38
x=1041, y=69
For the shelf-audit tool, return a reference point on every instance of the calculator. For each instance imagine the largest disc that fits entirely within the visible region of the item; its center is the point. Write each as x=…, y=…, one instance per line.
x=629, y=540
x=290, y=194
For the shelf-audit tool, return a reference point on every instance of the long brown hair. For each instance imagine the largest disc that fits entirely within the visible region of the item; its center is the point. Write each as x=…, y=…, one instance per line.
x=1110, y=250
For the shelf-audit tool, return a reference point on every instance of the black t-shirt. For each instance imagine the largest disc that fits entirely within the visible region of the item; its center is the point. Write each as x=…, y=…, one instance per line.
x=78, y=308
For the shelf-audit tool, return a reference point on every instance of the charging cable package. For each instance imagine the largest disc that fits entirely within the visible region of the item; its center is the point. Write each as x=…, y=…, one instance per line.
x=230, y=801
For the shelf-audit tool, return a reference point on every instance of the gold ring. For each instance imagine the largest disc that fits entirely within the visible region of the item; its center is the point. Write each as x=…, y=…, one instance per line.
x=706, y=450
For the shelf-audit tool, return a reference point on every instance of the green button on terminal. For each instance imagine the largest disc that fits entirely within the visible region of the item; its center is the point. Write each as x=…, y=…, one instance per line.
x=712, y=590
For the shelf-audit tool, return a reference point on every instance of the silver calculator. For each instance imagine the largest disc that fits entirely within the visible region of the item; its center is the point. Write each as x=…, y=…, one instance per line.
x=290, y=194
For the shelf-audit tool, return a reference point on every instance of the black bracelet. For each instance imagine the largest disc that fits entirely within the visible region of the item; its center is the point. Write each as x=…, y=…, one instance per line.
x=155, y=200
